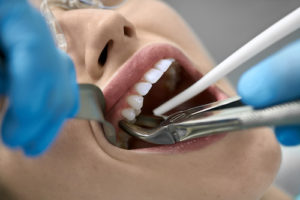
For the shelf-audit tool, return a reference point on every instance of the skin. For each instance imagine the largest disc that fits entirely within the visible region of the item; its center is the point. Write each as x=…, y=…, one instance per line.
x=83, y=165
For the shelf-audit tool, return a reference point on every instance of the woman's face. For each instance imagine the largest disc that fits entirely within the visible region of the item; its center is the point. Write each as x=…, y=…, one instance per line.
x=114, y=49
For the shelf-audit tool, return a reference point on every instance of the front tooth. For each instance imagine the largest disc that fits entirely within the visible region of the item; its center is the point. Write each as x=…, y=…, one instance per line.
x=163, y=65
x=135, y=101
x=143, y=88
x=129, y=114
x=153, y=75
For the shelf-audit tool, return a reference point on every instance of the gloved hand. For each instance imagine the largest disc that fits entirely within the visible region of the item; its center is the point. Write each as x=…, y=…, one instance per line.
x=37, y=78
x=275, y=80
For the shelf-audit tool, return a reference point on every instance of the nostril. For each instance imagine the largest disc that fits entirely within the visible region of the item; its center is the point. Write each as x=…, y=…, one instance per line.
x=127, y=31
x=104, y=53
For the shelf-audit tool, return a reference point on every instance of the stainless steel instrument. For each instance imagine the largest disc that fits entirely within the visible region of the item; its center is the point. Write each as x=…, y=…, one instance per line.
x=218, y=117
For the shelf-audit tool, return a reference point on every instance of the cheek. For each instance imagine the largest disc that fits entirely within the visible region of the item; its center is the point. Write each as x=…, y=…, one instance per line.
x=246, y=165
x=241, y=166
x=76, y=136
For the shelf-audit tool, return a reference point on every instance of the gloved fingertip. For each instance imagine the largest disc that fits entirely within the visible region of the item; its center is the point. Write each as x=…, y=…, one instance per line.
x=16, y=132
x=2, y=88
x=33, y=150
x=42, y=143
x=3, y=84
x=39, y=146
x=274, y=80
x=8, y=130
x=67, y=61
x=70, y=84
x=36, y=149
x=74, y=89
x=30, y=153
x=75, y=109
x=9, y=143
x=252, y=85
x=288, y=136
x=63, y=53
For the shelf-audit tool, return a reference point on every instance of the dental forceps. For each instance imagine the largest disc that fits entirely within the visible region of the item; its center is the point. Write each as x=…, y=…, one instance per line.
x=214, y=118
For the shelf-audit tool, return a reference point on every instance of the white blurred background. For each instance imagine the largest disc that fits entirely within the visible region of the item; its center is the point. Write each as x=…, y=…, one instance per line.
x=224, y=26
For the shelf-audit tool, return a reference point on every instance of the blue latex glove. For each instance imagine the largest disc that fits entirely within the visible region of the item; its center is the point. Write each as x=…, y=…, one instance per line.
x=275, y=80
x=38, y=79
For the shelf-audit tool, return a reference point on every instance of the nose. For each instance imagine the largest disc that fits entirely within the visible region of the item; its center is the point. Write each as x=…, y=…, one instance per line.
x=111, y=40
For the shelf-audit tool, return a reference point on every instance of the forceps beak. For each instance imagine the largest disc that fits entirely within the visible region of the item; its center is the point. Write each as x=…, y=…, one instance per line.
x=159, y=135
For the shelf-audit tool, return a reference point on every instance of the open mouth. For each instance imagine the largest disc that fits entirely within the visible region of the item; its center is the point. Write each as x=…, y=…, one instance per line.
x=156, y=80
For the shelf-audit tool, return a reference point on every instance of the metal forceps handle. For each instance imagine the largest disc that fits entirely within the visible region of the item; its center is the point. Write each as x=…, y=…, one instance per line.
x=92, y=106
x=237, y=118
x=284, y=114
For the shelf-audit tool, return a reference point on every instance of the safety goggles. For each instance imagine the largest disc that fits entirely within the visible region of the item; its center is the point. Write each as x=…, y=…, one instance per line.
x=70, y=5
x=79, y=4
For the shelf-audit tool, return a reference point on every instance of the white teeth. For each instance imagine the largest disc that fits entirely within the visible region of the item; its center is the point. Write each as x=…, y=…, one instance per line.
x=143, y=88
x=163, y=65
x=129, y=114
x=135, y=101
x=153, y=75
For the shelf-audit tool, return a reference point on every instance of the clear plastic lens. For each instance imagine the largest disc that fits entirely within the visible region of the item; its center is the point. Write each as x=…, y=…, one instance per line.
x=54, y=26
x=71, y=4
x=98, y=3
x=111, y=3
x=77, y=4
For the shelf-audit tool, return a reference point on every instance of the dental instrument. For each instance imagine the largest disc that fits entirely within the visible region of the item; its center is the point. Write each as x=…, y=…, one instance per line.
x=214, y=118
x=92, y=105
x=275, y=37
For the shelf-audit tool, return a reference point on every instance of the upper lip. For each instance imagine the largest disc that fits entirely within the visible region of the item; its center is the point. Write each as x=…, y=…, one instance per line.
x=136, y=66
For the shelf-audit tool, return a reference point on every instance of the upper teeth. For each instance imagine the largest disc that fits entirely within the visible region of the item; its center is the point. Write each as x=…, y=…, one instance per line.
x=135, y=101
x=143, y=87
x=129, y=114
x=163, y=65
x=153, y=75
